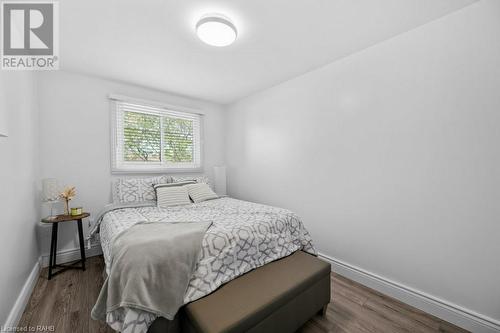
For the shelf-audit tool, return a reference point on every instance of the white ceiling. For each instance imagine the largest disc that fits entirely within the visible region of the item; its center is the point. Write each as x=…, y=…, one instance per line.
x=152, y=43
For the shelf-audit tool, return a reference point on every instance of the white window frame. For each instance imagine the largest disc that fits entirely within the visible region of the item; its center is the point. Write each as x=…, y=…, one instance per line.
x=121, y=167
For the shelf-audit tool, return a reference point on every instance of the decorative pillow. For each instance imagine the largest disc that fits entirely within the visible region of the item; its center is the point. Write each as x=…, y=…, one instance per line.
x=168, y=196
x=186, y=182
x=127, y=190
x=200, y=192
x=199, y=179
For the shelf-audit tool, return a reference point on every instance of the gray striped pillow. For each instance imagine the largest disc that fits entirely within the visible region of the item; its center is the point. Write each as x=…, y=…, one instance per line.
x=168, y=196
x=200, y=192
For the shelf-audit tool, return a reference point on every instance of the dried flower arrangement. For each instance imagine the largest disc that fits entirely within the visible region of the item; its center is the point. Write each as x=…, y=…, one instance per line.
x=67, y=194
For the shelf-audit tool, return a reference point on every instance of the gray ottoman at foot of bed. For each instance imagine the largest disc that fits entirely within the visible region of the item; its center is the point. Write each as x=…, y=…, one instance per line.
x=278, y=297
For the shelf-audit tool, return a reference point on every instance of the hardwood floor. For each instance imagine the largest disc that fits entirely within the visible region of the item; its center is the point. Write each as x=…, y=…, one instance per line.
x=356, y=308
x=66, y=301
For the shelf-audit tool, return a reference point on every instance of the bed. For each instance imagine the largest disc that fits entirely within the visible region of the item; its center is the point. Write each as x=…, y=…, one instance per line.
x=242, y=237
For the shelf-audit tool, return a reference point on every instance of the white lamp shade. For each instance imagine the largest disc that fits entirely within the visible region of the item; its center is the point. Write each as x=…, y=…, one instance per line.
x=50, y=189
x=220, y=180
x=3, y=124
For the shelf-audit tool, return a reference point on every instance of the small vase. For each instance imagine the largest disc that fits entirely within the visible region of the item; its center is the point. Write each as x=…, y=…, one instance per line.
x=66, y=207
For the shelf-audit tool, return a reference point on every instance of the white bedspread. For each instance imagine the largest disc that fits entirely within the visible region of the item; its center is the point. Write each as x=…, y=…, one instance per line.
x=243, y=236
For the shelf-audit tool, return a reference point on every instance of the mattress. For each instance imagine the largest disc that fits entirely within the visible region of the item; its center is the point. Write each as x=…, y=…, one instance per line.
x=242, y=237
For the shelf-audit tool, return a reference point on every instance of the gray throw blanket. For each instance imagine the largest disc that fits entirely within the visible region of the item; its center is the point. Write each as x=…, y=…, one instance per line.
x=151, y=266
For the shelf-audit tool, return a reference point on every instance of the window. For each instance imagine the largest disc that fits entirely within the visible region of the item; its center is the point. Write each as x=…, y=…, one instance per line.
x=153, y=138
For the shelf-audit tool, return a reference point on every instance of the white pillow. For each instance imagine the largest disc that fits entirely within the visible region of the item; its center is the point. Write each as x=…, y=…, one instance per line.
x=186, y=182
x=168, y=196
x=198, y=179
x=200, y=192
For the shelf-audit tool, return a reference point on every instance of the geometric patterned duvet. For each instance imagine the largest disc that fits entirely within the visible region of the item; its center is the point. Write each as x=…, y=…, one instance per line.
x=243, y=236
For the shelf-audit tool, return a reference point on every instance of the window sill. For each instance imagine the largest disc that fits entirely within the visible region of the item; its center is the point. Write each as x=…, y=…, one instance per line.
x=124, y=171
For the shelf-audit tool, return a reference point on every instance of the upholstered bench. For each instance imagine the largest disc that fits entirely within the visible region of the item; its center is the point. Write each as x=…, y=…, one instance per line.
x=278, y=297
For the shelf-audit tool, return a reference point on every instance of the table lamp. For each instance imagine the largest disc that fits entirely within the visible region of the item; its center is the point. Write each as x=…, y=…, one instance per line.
x=50, y=193
x=220, y=180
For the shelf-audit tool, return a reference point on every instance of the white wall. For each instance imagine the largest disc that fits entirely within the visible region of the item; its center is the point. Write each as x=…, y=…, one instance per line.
x=3, y=113
x=75, y=137
x=19, y=203
x=391, y=156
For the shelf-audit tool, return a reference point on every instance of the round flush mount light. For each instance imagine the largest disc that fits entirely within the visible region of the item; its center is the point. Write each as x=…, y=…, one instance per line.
x=216, y=30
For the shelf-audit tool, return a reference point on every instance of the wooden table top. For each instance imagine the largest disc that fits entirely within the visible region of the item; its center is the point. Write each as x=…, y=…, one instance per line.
x=65, y=218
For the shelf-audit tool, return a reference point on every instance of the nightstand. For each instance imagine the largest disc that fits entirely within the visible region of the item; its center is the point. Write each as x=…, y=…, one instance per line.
x=53, y=243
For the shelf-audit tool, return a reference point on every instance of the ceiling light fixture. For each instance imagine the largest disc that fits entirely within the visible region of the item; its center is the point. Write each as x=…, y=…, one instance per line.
x=216, y=30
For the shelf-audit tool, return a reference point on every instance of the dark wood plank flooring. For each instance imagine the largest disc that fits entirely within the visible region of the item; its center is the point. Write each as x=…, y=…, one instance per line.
x=66, y=301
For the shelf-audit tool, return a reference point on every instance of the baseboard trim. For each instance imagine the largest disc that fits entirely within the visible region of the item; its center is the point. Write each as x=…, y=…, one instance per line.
x=23, y=298
x=66, y=256
x=27, y=289
x=440, y=308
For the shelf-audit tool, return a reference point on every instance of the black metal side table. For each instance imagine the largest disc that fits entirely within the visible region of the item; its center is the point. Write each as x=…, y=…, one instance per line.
x=53, y=243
